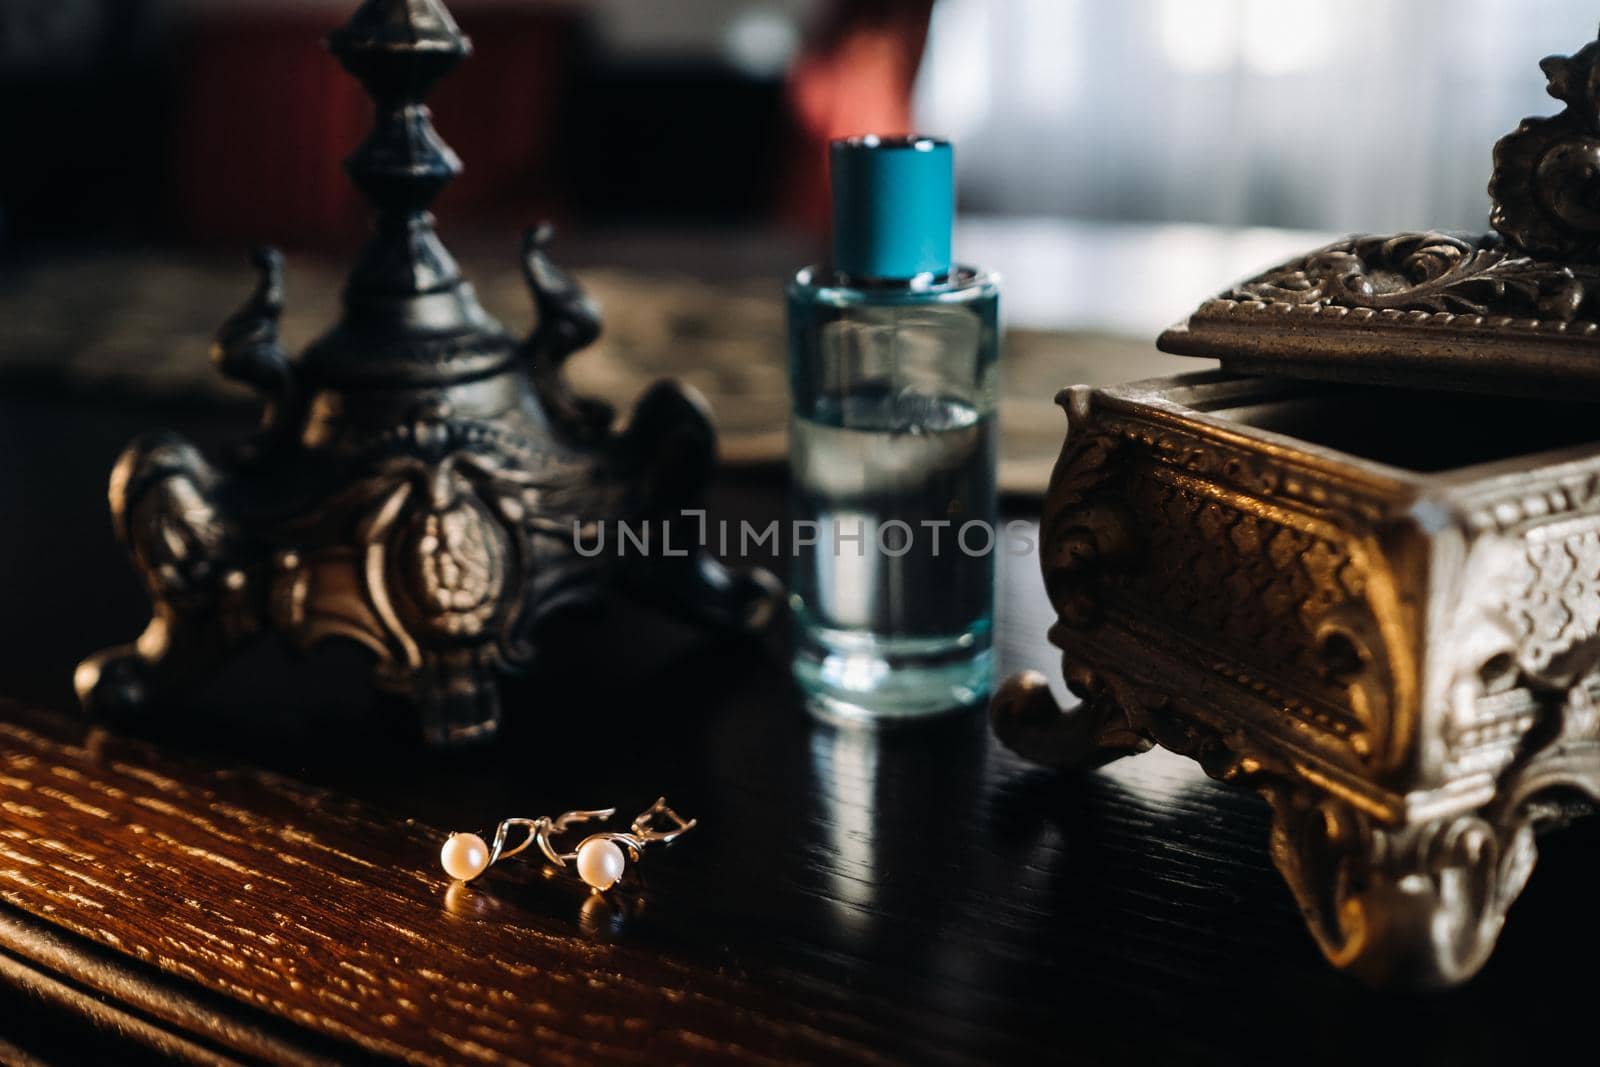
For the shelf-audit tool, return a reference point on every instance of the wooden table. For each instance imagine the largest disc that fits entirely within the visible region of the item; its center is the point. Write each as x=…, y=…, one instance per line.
x=258, y=879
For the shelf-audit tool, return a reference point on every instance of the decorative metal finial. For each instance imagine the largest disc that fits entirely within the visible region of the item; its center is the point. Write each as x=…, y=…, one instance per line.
x=405, y=281
x=421, y=477
x=1546, y=184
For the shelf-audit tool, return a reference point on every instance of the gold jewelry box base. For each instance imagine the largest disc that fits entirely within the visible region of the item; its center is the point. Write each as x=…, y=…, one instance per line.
x=1377, y=607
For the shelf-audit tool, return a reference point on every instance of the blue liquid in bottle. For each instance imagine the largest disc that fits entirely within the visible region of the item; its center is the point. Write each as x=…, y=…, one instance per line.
x=893, y=448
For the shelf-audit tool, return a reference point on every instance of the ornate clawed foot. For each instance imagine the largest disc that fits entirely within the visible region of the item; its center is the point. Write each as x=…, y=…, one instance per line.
x=118, y=684
x=164, y=500
x=1414, y=906
x=1027, y=720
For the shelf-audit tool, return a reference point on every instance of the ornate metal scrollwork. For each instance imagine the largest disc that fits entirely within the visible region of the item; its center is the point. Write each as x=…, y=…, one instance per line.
x=1428, y=273
x=1546, y=185
x=419, y=478
x=1418, y=905
x=1084, y=533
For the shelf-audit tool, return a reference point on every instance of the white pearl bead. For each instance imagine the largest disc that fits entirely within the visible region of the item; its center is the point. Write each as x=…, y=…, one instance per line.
x=600, y=863
x=464, y=856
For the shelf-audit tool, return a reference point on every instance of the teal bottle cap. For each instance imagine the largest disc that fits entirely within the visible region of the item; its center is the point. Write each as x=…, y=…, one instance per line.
x=893, y=206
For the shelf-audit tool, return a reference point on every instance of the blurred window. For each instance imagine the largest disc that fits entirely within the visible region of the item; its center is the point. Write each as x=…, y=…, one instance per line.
x=1364, y=115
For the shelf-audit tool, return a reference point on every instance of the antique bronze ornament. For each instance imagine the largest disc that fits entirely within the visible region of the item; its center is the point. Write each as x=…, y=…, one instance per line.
x=1379, y=608
x=420, y=476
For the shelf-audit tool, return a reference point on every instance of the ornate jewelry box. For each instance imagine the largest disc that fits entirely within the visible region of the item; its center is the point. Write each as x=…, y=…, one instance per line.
x=1375, y=600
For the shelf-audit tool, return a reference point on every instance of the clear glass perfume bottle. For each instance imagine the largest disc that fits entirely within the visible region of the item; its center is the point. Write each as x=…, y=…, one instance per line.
x=894, y=364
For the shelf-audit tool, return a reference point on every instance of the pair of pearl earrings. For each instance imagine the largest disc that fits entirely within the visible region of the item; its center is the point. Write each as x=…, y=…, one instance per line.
x=599, y=858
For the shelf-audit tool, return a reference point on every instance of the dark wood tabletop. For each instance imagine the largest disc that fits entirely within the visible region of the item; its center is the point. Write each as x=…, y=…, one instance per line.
x=256, y=878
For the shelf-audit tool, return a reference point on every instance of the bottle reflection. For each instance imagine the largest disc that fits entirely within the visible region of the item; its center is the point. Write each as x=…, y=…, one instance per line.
x=893, y=805
x=844, y=761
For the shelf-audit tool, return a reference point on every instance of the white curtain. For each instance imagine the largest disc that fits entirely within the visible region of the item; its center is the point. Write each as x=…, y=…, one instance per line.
x=1363, y=115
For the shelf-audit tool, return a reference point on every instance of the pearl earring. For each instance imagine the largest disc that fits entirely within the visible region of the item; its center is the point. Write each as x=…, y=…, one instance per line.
x=600, y=859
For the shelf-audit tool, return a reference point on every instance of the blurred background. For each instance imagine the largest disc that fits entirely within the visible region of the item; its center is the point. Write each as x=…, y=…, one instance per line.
x=212, y=119
x=1117, y=162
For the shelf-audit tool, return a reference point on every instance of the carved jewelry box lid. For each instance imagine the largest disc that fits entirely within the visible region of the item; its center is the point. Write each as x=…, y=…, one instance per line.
x=1516, y=311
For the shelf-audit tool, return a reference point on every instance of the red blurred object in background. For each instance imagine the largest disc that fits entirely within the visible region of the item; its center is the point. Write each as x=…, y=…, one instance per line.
x=855, y=76
x=266, y=123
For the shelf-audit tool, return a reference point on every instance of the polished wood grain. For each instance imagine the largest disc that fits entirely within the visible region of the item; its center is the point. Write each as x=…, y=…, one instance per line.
x=255, y=877
x=313, y=907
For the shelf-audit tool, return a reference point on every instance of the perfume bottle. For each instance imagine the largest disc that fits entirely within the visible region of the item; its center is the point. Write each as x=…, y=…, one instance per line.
x=893, y=366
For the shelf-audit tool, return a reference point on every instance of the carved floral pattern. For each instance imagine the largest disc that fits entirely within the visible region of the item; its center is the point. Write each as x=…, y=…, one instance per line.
x=1082, y=535
x=1431, y=273
x=1273, y=596
x=454, y=563
x=1556, y=604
